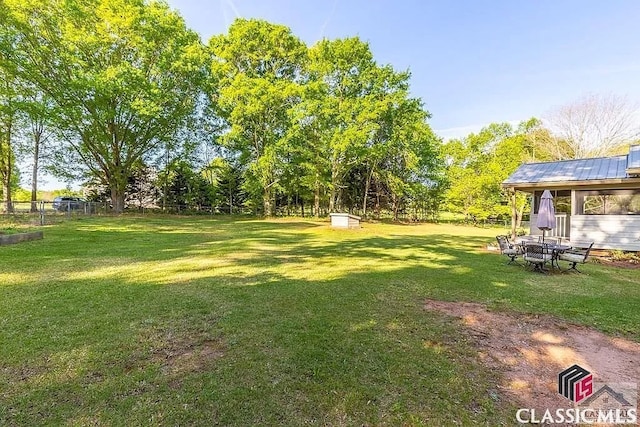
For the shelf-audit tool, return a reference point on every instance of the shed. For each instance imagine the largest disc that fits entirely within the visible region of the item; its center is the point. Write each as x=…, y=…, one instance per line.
x=344, y=220
x=596, y=199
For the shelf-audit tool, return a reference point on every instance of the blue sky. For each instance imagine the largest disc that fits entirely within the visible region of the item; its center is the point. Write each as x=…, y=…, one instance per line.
x=472, y=62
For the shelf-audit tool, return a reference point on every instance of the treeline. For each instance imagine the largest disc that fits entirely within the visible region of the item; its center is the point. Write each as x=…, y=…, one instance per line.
x=477, y=164
x=124, y=97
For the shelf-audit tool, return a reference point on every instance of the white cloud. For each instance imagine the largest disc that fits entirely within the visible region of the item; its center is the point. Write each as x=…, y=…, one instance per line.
x=462, y=131
x=457, y=132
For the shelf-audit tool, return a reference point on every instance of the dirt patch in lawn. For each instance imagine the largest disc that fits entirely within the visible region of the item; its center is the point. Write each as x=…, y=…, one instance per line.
x=529, y=351
x=185, y=357
x=179, y=348
x=631, y=264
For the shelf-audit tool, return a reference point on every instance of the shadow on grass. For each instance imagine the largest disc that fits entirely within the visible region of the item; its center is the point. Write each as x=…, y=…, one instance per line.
x=351, y=349
x=315, y=326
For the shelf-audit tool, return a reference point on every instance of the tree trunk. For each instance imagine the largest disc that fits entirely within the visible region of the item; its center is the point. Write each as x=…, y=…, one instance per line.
x=316, y=197
x=520, y=214
x=166, y=179
x=367, y=184
x=118, y=186
x=395, y=207
x=6, y=188
x=117, y=199
x=266, y=202
x=34, y=173
x=333, y=196
x=6, y=165
x=514, y=215
x=377, y=207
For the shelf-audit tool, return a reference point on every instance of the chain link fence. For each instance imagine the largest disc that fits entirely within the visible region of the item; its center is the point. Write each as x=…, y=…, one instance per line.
x=41, y=210
x=44, y=212
x=64, y=207
x=77, y=208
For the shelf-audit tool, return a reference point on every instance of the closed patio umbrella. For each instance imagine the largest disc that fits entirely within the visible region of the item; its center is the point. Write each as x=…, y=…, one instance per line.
x=546, y=213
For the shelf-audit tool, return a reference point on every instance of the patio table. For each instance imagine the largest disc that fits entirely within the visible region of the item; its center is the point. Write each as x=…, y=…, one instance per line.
x=556, y=250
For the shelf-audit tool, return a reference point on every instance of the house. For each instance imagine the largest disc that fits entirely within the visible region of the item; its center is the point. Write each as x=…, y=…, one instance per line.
x=597, y=200
x=610, y=405
x=606, y=398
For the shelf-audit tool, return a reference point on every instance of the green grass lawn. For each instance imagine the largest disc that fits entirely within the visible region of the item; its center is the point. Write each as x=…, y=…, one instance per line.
x=200, y=321
x=14, y=224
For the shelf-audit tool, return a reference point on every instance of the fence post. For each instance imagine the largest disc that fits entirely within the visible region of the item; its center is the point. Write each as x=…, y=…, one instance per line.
x=42, y=213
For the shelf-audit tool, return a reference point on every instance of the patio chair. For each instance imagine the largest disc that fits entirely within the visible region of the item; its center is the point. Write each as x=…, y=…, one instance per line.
x=575, y=257
x=549, y=239
x=508, y=249
x=537, y=255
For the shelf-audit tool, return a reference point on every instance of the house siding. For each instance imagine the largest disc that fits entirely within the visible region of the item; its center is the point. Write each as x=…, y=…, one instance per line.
x=620, y=232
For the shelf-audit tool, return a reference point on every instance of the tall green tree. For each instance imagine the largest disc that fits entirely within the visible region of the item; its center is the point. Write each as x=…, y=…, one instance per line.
x=123, y=74
x=479, y=163
x=404, y=150
x=142, y=190
x=343, y=111
x=227, y=179
x=8, y=126
x=257, y=66
x=38, y=132
x=309, y=138
x=357, y=125
x=185, y=188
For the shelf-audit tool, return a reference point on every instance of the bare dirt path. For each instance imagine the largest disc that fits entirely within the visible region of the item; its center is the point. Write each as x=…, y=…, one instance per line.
x=530, y=351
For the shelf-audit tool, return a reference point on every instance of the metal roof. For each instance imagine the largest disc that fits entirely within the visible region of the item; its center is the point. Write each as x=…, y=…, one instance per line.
x=634, y=157
x=602, y=168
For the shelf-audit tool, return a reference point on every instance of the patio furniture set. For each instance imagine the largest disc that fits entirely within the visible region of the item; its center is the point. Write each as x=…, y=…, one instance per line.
x=538, y=253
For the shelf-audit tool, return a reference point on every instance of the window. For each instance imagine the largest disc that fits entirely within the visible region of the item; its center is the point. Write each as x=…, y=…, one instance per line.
x=561, y=201
x=608, y=202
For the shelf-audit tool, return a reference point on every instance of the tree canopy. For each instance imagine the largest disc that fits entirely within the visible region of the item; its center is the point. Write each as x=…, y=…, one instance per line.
x=257, y=66
x=478, y=164
x=132, y=102
x=325, y=122
x=123, y=75
x=592, y=126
